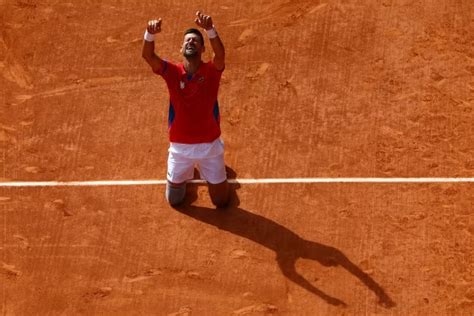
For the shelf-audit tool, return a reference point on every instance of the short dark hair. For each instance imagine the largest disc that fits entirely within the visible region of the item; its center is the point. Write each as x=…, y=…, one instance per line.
x=195, y=31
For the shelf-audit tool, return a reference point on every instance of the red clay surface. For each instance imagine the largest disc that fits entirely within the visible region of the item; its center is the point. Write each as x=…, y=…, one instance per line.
x=311, y=89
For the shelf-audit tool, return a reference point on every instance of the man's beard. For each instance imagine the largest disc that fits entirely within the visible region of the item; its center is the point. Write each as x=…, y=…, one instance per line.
x=190, y=52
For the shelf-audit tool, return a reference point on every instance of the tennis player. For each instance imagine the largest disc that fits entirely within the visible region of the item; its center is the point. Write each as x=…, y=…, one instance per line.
x=193, y=117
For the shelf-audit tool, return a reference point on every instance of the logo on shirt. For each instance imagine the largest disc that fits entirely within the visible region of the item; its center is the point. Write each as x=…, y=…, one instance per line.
x=182, y=84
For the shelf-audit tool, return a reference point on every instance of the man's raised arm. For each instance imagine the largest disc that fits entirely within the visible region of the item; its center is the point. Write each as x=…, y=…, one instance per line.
x=148, y=52
x=205, y=21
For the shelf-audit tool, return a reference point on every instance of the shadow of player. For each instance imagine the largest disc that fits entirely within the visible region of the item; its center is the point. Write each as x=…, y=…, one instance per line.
x=287, y=245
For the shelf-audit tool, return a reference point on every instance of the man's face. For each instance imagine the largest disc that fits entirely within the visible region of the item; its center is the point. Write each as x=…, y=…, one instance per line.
x=192, y=45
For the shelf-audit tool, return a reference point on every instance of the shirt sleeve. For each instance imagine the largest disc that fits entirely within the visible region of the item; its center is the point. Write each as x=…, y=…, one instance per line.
x=211, y=64
x=169, y=71
x=216, y=74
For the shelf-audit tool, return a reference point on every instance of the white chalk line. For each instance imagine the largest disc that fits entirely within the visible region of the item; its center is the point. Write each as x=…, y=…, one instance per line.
x=239, y=181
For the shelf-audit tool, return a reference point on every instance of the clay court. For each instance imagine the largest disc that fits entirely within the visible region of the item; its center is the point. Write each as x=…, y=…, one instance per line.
x=312, y=89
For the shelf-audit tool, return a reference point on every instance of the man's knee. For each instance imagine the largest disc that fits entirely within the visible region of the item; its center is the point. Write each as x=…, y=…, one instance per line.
x=175, y=193
x=220, y=202
x=219, y=194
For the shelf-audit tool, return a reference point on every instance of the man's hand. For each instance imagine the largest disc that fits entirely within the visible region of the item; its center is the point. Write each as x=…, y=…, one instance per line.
x=204, y=21
x=148, y=51
x=154, y=26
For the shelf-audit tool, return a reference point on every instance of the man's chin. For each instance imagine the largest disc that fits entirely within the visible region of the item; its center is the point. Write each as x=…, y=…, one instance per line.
x=190, y=54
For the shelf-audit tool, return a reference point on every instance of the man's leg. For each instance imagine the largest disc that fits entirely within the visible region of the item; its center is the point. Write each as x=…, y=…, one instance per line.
x=213, y=171
x=180, y=170
x=175, y=193
x=219, y=194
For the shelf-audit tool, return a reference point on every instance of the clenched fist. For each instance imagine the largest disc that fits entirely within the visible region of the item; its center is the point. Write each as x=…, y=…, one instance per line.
x=204, y=21
x=154, y=26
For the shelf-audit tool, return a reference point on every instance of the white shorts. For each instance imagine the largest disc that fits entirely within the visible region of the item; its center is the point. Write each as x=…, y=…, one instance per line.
x=207, y=157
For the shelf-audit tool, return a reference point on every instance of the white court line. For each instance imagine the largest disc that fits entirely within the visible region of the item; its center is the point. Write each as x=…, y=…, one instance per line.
x=240, y=181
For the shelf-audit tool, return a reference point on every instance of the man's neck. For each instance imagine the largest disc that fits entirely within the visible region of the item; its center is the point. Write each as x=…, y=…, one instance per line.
x=191, y=64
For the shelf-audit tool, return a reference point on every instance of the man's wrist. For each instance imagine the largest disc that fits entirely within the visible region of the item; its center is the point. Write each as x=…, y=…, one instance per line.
x=149, y=37
x=211, y=33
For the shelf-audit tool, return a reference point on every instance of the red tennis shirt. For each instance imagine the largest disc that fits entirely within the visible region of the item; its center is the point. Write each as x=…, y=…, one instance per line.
x=193, y=115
